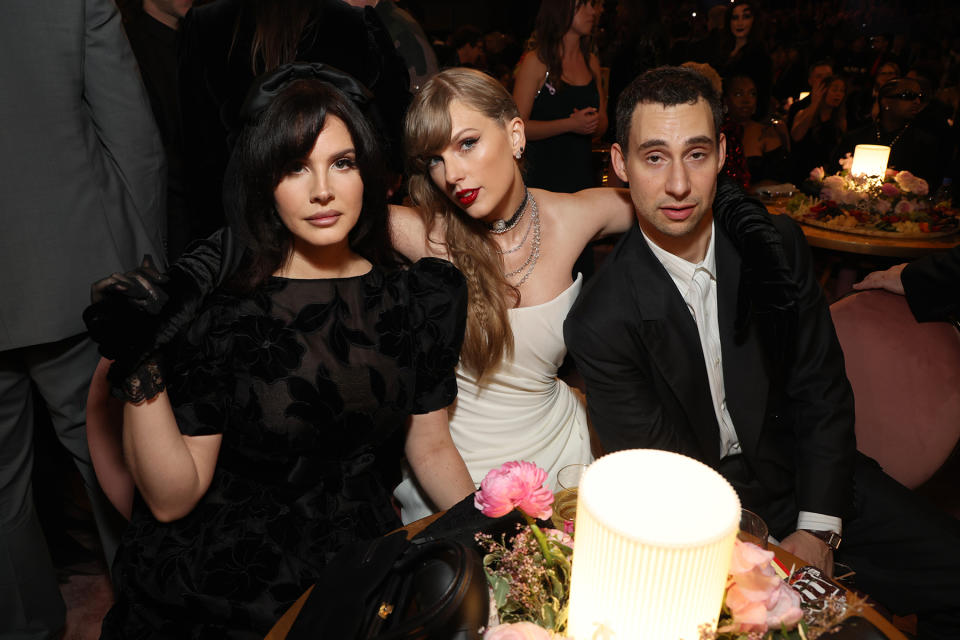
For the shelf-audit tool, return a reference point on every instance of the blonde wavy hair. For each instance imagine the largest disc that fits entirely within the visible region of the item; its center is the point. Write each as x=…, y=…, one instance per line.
x=427, y=131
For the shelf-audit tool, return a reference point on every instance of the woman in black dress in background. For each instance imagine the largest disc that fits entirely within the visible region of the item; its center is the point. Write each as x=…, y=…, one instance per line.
x=557, y=93
x=292, y=397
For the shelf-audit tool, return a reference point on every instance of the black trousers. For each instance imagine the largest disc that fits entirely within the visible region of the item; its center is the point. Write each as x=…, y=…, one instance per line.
x=905, y=551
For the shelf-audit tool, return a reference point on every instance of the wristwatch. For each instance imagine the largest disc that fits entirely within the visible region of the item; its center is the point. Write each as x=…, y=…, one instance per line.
x=831, y=538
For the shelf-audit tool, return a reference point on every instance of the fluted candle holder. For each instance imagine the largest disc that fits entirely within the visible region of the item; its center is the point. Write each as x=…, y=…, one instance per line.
x=654, y=540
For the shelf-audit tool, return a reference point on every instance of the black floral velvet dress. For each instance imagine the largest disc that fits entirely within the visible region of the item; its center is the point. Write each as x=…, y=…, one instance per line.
x=310, y=382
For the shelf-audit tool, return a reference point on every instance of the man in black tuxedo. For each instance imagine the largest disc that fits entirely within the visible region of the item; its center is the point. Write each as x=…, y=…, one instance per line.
x=726, y=353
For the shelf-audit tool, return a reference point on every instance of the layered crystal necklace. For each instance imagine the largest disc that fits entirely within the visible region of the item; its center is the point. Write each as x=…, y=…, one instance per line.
x=527, y=267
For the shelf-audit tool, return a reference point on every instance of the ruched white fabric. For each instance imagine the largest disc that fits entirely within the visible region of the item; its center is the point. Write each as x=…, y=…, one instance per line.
x=522, y=411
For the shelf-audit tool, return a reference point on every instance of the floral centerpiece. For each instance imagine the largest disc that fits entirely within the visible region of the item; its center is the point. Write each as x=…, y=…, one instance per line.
x=898, y=203
x=529, y=575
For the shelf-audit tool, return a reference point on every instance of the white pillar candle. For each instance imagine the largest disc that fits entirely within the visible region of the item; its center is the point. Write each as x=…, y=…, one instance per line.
x=654, y=540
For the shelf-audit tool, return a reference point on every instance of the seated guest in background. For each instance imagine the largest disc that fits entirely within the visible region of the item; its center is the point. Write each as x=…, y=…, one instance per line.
x=818, y=129
x=765, y=145
x=467, y=48
x=931, y=285
x=695, y=342
x=862, y=105
x=911, y=149
x=271, y=432
x=788, y=79
x=818, y=72
x=742, y=52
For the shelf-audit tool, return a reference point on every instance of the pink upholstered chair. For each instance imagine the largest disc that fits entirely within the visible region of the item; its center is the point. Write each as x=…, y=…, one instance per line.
x=906, y=382
x=104, y=438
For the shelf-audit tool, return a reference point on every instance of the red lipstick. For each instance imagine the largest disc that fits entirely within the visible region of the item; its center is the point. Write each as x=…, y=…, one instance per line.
x=467, y=196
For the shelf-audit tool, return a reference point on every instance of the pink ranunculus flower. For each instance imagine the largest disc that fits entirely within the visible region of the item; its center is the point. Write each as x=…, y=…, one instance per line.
x=514, y=485
x=904, y=207
x=757, y=598
x=846, y=162
x=517, y=631
x=817, y=174
x=911, y=183
x=889, y=189
x=561, y=537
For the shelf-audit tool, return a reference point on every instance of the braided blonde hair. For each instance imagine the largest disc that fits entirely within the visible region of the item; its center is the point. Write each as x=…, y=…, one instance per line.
x=427, y=130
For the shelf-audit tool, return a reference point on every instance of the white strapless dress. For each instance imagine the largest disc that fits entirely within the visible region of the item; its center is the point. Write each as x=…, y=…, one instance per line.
x=522, y=412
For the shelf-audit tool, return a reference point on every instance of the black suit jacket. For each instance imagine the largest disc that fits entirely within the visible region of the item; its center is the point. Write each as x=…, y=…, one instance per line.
x=932, y=286
x=636, y=345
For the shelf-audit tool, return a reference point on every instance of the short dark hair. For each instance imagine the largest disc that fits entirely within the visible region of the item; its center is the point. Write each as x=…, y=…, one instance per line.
x=282, y=134
x=669, y=86
x=822, y=62
x=467, y=34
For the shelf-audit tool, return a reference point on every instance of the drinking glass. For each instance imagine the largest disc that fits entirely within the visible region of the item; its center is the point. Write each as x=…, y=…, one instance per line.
x=565, y=500
x=755, y=527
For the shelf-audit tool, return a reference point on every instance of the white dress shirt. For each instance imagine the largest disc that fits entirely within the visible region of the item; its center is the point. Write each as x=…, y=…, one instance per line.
x=697, y=284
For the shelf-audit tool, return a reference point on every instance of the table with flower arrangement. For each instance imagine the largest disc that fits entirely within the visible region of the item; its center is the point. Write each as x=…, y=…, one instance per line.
x=849, y=602
x=887, y=246
x=895, y=217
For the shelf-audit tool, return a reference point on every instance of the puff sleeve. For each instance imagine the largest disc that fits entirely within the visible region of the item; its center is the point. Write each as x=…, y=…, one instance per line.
x=438, y=305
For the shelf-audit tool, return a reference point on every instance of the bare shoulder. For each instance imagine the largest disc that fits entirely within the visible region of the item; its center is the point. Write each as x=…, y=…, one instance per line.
x=408, y=232
x=587, y=214
x=530, y=62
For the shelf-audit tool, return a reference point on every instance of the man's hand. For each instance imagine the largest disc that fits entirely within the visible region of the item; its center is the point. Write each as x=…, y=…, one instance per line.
x=889, y=280
x=810, y=548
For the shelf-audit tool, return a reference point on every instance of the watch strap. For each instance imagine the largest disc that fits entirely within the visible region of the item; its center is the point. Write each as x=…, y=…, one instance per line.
x=831, y=538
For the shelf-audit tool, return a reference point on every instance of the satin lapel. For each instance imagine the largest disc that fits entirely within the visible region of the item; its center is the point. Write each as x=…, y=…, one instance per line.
x=670, y=335
x=744, y=375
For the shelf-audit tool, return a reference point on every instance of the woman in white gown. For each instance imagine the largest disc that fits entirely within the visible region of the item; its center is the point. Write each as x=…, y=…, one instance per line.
x=464, y=143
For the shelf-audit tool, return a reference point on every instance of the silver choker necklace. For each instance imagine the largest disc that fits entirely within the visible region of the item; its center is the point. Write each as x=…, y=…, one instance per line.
x=502, y=226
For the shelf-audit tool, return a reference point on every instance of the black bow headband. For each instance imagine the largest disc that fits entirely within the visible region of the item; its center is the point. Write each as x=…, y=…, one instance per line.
x=269, y=85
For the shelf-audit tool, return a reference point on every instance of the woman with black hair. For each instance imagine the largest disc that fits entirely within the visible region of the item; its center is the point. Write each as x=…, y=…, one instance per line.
x=742, y=51
x=270, y=432
x=225, y=45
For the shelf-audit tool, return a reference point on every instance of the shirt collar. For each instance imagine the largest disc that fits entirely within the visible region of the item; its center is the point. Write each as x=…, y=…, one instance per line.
x=680, y=270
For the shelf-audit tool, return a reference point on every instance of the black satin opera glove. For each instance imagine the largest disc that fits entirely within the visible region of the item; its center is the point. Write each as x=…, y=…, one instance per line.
x=768, y=293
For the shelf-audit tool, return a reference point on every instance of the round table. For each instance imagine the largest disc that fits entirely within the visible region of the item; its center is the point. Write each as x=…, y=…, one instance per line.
x=886, y=246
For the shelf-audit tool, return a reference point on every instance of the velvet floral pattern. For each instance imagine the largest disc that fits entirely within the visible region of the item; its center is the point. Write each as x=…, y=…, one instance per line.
x=310, y=382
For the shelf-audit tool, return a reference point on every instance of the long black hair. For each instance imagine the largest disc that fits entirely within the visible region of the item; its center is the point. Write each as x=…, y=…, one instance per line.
x=279, y=136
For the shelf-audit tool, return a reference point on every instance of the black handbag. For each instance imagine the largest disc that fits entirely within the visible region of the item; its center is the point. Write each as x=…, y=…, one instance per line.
x=391, y=589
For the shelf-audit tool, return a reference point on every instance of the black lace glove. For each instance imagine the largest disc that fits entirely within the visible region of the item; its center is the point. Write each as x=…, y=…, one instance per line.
x=134, y=315
x=141, y=286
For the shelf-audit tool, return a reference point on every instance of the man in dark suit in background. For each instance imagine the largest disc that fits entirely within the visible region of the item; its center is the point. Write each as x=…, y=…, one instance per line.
x=685, y=347
x=931, y=285
x=81, y=196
